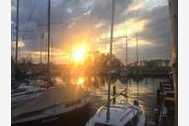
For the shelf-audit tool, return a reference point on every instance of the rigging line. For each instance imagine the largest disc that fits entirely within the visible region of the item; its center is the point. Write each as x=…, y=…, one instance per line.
x=17, y=32
x=30, y=16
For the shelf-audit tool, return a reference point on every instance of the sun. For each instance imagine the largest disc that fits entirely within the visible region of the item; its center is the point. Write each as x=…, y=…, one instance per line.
x=79, y=54
x=80, y=81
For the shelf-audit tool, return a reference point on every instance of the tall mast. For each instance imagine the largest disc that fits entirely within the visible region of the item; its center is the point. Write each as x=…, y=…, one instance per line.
x=137, y=54
x=111, y=41
x=126, y=50
x=41, y=44
x=137, y=61
x=48, y=39
x=17, y=30
x=112, y=26
x=126, y=62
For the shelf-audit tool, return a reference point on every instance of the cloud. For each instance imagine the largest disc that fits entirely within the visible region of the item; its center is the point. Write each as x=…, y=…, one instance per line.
x=74, y=20
x=88, y=12
x=69, y=10
x=136, y=6
x=150, y=4
x=13, y=9
x=158, y=27
x=130, y=27
x=99, y=25
x=56, y=3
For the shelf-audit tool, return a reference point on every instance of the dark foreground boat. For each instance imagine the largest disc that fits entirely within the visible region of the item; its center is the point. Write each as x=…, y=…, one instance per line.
x=56, y=116
x=52, y=108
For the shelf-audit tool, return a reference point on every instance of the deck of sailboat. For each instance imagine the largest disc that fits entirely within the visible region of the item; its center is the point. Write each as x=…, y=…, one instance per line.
x=58, y=95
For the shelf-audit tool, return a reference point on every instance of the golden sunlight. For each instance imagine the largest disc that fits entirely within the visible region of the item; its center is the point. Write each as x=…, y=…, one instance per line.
x=80, y=81
x=129, y=27
x=79, y=53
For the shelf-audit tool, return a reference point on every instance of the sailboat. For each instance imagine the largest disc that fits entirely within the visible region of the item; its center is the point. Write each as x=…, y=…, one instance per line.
x=117, y=114
x=120, y=115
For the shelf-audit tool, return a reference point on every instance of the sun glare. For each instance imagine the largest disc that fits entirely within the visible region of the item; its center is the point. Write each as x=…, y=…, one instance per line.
x=80, y=81
x=79, y=54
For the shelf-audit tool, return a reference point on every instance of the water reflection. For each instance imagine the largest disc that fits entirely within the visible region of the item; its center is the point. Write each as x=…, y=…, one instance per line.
x=143, y=89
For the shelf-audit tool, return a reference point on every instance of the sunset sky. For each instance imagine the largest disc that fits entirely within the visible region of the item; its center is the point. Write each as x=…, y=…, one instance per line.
x=88, y=21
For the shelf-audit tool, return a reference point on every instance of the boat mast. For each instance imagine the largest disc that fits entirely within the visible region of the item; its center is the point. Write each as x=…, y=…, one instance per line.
x=137, y=54
x=48, y=40
x=137, y=62
x=41, y=43
x=126, y=51
x=111, y=41
x=17, y=30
